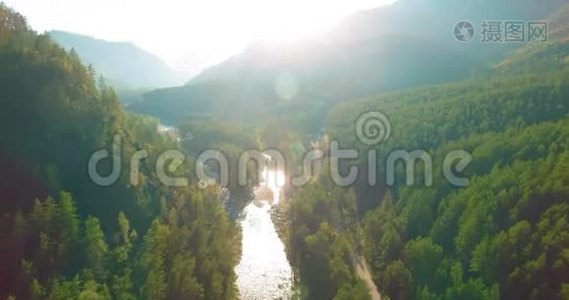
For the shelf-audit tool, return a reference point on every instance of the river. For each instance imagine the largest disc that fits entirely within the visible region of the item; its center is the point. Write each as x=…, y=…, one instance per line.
x=264, y=271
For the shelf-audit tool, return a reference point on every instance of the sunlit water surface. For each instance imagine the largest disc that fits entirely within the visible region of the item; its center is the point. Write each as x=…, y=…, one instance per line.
x=264, y=271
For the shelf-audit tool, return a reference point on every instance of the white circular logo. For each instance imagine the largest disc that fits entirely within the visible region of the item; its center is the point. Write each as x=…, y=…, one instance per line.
x=373, y=128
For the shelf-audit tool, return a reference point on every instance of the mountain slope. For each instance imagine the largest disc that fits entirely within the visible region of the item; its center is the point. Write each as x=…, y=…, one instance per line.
x=125, y=65
x=362, y=56
x=436, y=18
x=500, y=237
x=539, y=57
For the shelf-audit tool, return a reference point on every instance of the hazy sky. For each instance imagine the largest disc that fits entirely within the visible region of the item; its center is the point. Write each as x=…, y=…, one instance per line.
x=189, y=34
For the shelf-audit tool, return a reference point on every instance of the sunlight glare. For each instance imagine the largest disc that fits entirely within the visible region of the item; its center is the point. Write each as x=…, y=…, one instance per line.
x=191, y=35
x=294, y=19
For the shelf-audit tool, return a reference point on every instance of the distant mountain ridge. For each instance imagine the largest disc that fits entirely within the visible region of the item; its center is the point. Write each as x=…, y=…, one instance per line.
x=123, y=64
x=364, y=55
x=418, y=16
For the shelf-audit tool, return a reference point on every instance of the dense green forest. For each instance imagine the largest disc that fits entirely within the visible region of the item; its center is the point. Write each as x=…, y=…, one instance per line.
x=502, y=237
x=63, y=236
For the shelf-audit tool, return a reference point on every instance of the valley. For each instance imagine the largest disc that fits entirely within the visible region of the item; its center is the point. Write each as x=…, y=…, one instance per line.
x=435, y=168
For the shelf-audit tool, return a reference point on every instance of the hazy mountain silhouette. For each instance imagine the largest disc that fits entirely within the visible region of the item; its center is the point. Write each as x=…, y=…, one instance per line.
x=123, y=64
x=364, y=55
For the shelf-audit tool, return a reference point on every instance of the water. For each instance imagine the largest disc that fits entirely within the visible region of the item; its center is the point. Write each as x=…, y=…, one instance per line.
x=264, y=271
x=162, y=128
x=170, y=131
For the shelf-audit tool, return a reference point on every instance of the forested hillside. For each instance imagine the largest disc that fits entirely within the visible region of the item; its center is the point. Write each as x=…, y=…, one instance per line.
x=487, y=239
x=65, y=237
x=502, y=236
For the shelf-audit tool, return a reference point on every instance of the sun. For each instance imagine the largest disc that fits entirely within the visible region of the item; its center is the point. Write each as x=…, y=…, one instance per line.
x=296, y=19
x=290, y=22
